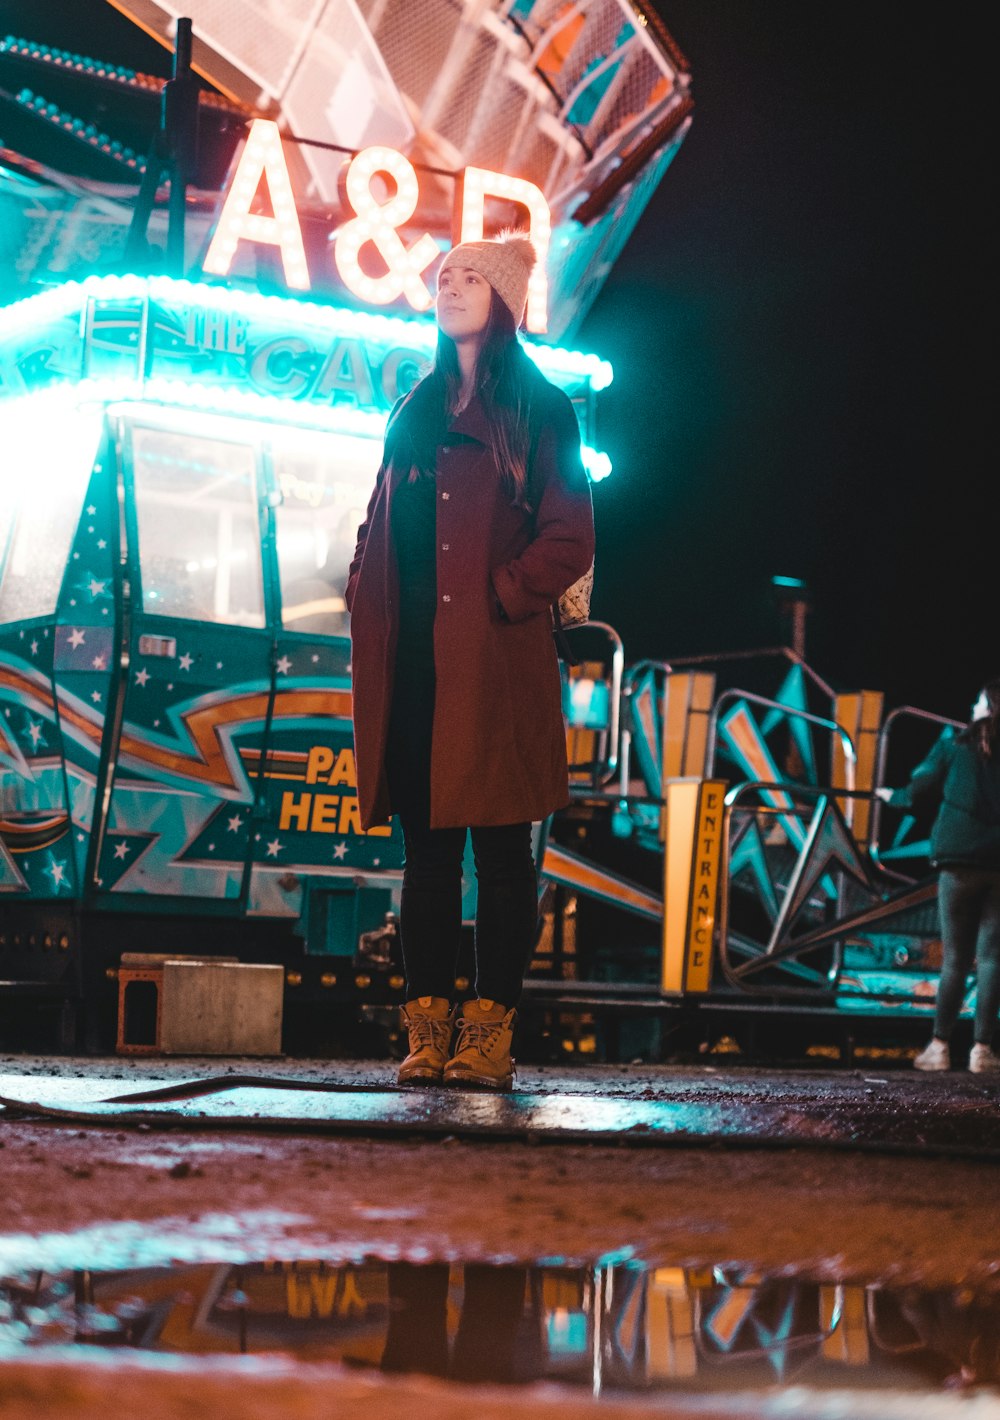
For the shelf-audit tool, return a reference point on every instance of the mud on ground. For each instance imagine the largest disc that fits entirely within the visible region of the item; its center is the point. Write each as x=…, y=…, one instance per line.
x=72, y=1196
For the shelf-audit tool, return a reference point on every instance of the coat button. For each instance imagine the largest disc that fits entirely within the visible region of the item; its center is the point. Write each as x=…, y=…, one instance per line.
x=446, y=598
x=446, y=496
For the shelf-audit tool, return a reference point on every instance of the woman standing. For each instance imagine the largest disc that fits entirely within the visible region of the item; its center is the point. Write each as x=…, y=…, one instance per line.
x=480, y=519
x=961, y=775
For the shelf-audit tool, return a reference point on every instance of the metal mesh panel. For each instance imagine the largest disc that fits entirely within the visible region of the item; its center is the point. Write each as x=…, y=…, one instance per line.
x=600, y=36
x=342, y=92
x=638, y=87
x=455, y=118
x=415, y=40
x=262, y=37
x=534, y=156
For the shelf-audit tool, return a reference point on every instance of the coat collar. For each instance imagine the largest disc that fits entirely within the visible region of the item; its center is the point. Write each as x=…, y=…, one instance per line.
x=471, y=422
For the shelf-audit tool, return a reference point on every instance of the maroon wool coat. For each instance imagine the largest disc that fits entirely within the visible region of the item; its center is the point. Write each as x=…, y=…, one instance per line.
x=499, y=746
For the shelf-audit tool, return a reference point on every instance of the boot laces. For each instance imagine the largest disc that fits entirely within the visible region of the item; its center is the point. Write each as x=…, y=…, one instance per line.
x=426, y=1030
x=478, y=1035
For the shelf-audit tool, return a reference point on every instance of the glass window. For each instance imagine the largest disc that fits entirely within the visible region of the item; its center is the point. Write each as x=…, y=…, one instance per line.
x=325, y=482
x=46, y=466
x=196, y=507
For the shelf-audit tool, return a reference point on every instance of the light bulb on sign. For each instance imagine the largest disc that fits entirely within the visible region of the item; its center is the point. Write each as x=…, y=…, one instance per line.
x=376, y=222
x=477, y=184
x=262, y=157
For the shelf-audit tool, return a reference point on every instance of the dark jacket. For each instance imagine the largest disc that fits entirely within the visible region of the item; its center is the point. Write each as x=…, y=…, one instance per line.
x=965, y=788
x=499, y=744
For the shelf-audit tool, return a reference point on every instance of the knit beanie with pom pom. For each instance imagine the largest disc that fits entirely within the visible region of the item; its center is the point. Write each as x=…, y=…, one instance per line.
x=506, y=262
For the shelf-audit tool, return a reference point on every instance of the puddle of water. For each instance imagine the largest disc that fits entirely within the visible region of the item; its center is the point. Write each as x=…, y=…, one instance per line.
x=612, y=1327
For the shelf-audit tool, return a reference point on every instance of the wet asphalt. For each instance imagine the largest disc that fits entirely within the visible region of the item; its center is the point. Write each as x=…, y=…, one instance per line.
x=886, y=1108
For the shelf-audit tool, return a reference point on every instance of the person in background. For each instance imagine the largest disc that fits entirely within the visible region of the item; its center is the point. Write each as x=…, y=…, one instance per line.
x=961, y=778
x=480, y=519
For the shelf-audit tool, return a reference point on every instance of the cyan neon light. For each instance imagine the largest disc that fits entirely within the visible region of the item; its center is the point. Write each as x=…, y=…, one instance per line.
x=36, y=410
x=332, y=321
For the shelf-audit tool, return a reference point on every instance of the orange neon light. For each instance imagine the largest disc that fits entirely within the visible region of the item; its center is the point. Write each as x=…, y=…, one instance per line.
x=376, y=220
x=480, y=183
x=263, y=157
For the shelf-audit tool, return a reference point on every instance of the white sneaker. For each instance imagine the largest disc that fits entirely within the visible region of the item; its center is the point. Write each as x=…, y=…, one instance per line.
x=982, y=1061
x=935, y=1056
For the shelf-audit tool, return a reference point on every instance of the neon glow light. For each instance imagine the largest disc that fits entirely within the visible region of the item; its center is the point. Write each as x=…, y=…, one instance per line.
x=376, y=220
x=480, y=183
x=24, y=317
x=262, y=157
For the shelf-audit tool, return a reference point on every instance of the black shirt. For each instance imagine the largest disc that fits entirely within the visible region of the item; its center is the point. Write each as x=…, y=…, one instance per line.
x=414, y=518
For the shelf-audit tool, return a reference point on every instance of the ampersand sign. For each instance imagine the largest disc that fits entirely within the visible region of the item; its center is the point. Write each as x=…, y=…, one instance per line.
x=376, y=222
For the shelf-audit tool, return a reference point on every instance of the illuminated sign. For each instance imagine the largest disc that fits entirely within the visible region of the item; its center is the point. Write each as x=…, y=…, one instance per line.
x=377, y=219
x=695, y=820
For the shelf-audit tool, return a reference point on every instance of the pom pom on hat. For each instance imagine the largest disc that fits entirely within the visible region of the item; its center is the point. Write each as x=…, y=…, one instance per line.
x=506, y=262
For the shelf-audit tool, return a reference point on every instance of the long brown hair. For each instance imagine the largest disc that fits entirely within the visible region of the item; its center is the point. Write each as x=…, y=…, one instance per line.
x=503, y=379
x=985, y=731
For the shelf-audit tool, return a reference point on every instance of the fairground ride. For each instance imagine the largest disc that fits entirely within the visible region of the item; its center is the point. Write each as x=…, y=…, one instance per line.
x=215, y=287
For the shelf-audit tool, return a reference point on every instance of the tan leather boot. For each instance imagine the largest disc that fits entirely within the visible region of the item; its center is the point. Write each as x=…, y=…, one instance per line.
x=429, y=1021
x=482, y=1053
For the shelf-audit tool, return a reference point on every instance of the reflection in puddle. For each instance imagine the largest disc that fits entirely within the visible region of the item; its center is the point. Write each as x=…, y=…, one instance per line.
x=609, y=1327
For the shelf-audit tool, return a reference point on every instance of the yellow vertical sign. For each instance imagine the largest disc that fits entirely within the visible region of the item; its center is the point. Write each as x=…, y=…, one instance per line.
x=695, y=821
x=704, y=884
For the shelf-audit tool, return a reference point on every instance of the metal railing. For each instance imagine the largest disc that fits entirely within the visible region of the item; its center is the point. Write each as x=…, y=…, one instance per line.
x=850, y=754
x=782, y=951
x=882, y=755
x=606, y=770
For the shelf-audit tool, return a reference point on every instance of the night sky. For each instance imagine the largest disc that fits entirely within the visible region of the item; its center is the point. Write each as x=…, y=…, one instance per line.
x=797, y=328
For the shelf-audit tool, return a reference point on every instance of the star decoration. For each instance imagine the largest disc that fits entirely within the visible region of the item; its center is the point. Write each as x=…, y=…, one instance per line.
x=122, y=850
x=96, y=588
x=35, y=733
x=185, y=662
x=99, y=663
x=34, y=648
x=96, y=697
x=141, y=677
x=76, y=638
x=273, y=848
x=283, y=666
x=340, y=851
x=234, y=824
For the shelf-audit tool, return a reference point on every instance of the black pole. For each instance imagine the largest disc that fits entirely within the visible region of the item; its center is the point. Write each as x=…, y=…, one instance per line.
x=173, y=155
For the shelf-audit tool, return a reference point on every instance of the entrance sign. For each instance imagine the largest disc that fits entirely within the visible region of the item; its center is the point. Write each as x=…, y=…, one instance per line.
x=376, y=220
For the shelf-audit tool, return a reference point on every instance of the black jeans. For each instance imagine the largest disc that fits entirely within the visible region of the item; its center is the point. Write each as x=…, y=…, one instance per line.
x=498, y=1339
x=969, y=904
x=430, y=925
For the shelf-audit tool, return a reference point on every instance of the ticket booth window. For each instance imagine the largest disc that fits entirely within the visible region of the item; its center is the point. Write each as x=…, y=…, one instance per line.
x=324, y=481
x=196, y=510
x=47, y=464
